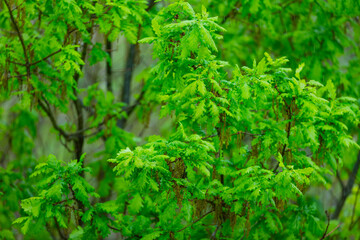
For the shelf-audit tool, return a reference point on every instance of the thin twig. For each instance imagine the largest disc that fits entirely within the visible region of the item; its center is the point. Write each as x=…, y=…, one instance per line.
x=131, y=108
x=17, y=63
x=27, y=61
x=195, y=221
x=332, y=230
x=213, y=235
x=327, y=226
x=18, y=76
x=114, y=228
x=340, y=180
x=52, y=118
x=57, y=203
x=237, y=133
x=48, y=56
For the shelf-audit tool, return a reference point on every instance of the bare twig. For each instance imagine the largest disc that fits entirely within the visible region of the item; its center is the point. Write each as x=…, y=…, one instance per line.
x=332, y=230
x=327, y=226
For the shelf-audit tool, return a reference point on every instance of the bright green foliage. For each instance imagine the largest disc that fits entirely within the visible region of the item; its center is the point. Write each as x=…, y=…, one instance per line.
x=248, y=144
x=286, y=116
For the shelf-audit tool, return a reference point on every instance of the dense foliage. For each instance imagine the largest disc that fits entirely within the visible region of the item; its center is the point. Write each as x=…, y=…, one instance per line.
x=249, y=144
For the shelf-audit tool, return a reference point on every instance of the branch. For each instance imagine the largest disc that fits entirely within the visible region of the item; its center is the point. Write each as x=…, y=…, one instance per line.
x=237, y=133
x=129, y=70
x=18, y=76
x=332, y=230
x=354, y=223
x=195, y=221
x=327, y=227
x=108, y=66
x=52, y=118
x=346, y=191
x=48, y=56
x=232, y=12
x=288, y=128
x=57, y=203
x=62, y=236
x=17, y=63
x=213, y=235
x=131, y=108
x=151, y=4
x=340, y=181
x=354, y=208
x=27, y=62
x=114, y=228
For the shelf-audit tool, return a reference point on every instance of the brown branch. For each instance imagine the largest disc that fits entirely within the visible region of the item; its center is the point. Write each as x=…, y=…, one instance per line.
x=27, y=61
x=332, y=230
x=327, y=226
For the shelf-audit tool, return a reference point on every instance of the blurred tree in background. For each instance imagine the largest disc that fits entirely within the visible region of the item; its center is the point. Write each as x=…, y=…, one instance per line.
x=257, y=152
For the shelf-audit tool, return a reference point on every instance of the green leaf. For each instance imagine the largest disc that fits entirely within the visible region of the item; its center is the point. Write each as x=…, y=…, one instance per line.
x=152, y=236
x=298, y=70
x=331, y=89
x=136, y=204
x=199, y=110
x=206, y=37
